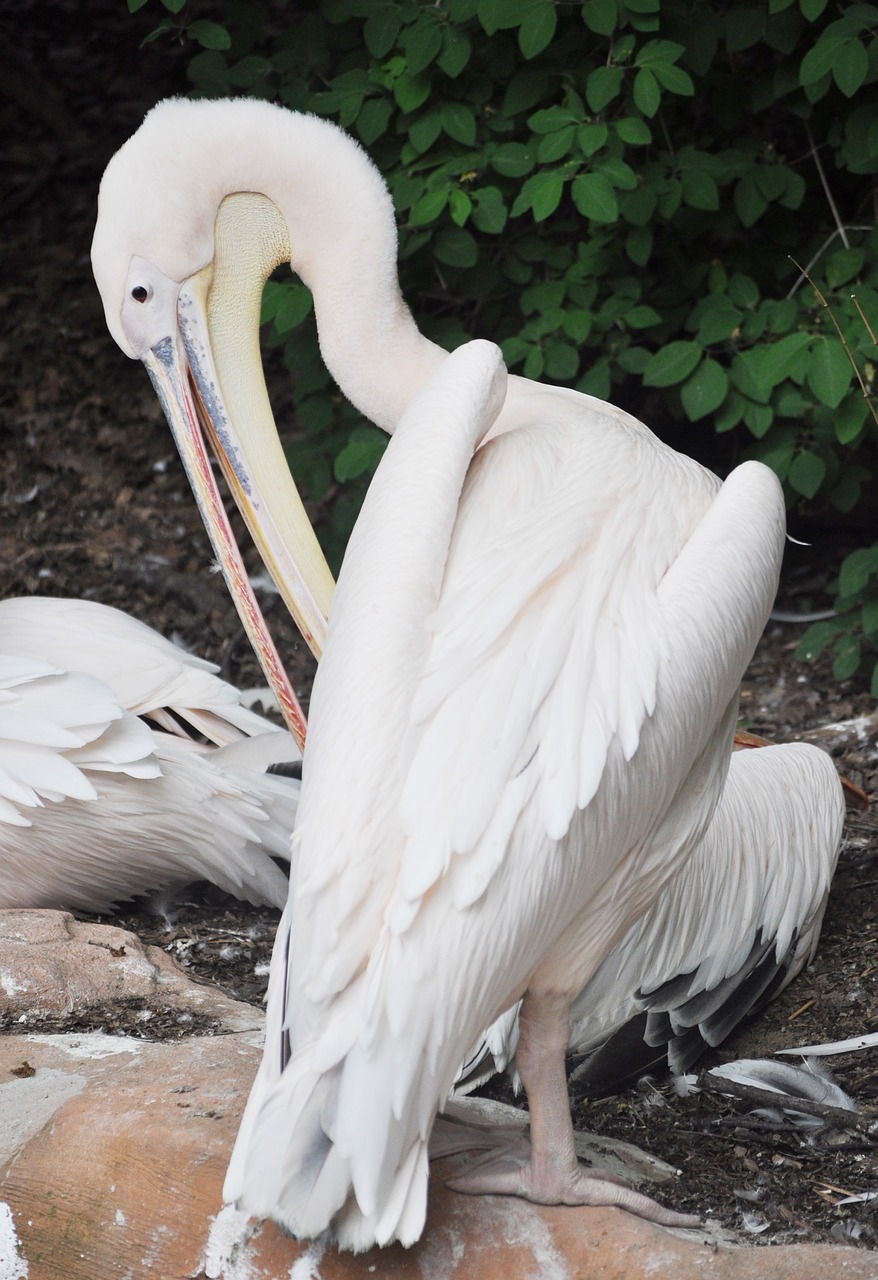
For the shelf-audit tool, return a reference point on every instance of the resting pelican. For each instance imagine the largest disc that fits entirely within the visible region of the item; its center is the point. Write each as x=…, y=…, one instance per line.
x=97, y=804
x=521, y=725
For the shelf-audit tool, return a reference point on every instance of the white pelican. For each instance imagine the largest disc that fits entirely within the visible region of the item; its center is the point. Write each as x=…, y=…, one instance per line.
x=522, y=722
x=97, y=805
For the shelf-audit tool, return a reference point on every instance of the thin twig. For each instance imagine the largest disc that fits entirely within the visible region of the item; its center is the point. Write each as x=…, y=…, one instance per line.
x=816, y=157
x=803, y=271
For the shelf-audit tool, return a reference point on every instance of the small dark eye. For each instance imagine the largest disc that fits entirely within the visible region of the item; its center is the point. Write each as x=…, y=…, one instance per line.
x=140, y=293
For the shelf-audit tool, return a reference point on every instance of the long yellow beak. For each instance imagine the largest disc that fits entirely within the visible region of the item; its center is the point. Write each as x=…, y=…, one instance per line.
x=211, y=381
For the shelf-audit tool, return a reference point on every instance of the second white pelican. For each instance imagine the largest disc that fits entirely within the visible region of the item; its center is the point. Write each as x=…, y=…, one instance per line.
x=522, y=723
x=104, y=793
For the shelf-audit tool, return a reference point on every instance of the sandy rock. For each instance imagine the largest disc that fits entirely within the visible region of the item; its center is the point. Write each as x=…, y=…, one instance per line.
x=51, y=964
x=113, y=1152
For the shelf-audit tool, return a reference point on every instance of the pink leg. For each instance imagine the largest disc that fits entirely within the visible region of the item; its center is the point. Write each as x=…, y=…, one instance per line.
x=549, y=1172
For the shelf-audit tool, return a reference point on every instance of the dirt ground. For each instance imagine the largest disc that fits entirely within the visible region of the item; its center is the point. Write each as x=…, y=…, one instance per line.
x=93, y=503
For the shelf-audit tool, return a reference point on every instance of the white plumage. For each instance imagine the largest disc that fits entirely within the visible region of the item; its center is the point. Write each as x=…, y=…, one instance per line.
x=96, y=805
x=521, y=725
x=736, y=929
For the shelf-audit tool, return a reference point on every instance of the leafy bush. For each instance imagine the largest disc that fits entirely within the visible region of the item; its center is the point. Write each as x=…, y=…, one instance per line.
x=615, y=192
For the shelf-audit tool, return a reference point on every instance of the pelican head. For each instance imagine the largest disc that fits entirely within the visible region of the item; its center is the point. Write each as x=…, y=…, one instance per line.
x=184, y=241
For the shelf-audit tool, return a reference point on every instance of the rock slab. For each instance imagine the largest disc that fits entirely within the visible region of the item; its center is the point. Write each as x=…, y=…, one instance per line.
x=113, y=1152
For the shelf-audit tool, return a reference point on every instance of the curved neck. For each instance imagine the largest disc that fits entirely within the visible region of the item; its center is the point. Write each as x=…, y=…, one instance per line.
x=343, y=244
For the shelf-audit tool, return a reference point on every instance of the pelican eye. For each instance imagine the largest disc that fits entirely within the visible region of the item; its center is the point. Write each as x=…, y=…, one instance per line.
x=141, y=293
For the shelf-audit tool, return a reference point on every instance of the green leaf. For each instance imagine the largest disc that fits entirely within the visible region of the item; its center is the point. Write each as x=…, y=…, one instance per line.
x=550, y=119
x=850, y=67
x=428, y=208
x=730, y=414
x=746, y=374
x=596, y=381
x=744, y=27
x=422, y=44
x=459, y=123
x=647, y=94
x=655, y=51
x=513, y=159
x=847, y=657
x=672, y=364
x=380, y=30
x=600, y=16
x=700, y=190
x=811, y=9
x=577, y=324
x=495, y=15
x=818, y=61
x=717, y=278
x=717, y=324
x=537, y=29
x=562, y=361
x=705, y=390
x=779, y=458
x=843, y=265
x=174, y=6
x=455, y=247
x=490, y=213
x=595, y=198
x=633, y=360
x=411, y=92
x=424, y=132
x=633, y=131
x=210, y=35
x=829, y=372
x=292, y=307
x=602, y=86
x=618, y=173
x=674, y=79
x=459, y=206
x=852, y=415
x=373, y=120
x=846, y=493
x=272, y=292
x=134, y=6
x=818, y=636
x=780, y=358
x=857, y=569
x=208, y=71
x=806, y=473
x=554, y=146
x=642, y=317
x=456, y=52
x=743, y=290
x=514, y=350
x=758, y=418
x=750, y=203
x=534, y=364
x=638, y=245
x=547, y=197
x=638, y=206
x=523, y=92
x=359, y=456
x=591, y=137
x=249, y=71
x=869, y=616
x=782, y=315
x=406, y=189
